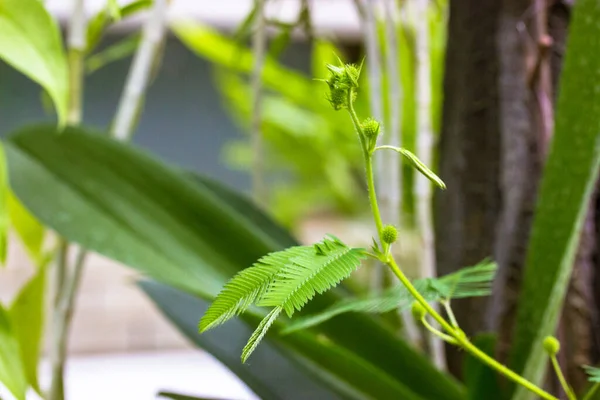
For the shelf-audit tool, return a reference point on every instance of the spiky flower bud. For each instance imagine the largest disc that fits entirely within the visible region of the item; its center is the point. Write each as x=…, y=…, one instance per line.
x=418, y=311
x=551, y=345
x=338, y=98
x=370, y=128
x=389, y=234
x=342, y=79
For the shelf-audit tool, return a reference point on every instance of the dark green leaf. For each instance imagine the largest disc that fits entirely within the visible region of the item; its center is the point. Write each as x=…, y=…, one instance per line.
x=272, y=373
x=153, y=218
x=346, y=375
x=245, y=206
x=30, y=41
x=481, y=380
x=568, y=181
x=117, y=51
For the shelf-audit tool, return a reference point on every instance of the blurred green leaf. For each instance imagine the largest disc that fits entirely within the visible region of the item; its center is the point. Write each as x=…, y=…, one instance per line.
x=569, y=178
x=593, y=373
x=482, y=381
x=12, y=373
x=225, y=52
x=114, y=10
x=28, y=228
x=99, y=22
x=27, y=318
x=280, y=42
x=30, y=41
x=117, y=51
x=467, y=282
x=153, y=218
x=4, y=210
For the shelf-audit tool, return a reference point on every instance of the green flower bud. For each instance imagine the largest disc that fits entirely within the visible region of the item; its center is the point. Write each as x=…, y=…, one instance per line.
x=551, y=345
x=389, y=234
x=338, y=98
x=418, y=311
x=352, y=74
x=370, y=128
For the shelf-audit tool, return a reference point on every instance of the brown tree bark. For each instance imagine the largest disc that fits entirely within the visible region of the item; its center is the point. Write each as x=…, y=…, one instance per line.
x=502, y=68
x=467, y=212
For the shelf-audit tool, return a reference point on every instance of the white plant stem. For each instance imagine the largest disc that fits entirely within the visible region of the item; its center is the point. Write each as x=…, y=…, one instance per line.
x=140, y=72
x=259, y=47
x=391, y=199
x=66, y=282
x=64, y=279
x=425, y=142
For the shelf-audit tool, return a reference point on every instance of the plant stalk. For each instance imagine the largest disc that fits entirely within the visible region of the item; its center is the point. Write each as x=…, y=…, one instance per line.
x=126, y=117
x=456, y=333
x=259, y=48
x=561, y=378
x=140, y=73
x=423, y=190
x=366, y=9
x=62, y=310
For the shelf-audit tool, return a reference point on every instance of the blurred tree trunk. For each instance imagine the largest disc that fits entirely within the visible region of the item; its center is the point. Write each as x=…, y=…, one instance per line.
x=502, y=68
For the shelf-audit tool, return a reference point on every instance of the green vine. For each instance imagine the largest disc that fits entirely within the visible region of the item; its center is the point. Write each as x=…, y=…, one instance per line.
x=288, y=279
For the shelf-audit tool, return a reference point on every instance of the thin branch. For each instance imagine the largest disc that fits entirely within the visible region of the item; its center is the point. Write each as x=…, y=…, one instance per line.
x=76, y=43
x=425, y=143
x=140, y=72
x=259, y=48
x=67, y=285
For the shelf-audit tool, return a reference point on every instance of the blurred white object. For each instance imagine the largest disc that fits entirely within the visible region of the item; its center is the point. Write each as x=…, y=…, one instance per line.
x=331, y=18
x=141, y=376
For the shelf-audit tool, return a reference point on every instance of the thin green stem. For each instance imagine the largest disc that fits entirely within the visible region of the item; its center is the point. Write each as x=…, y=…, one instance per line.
x=456, y=333
x=462, y=339
x=437, y=333
x=561, y=378
x=368, y=169
x=450, y=313
x=590, y=393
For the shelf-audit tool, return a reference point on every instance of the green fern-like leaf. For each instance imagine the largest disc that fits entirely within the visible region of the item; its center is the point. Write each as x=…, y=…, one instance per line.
x=246, y=287
x=298, y=281
x=285, y=280
x=468, y=282
x=592, y=373
x=259, y=333
x=473, y=281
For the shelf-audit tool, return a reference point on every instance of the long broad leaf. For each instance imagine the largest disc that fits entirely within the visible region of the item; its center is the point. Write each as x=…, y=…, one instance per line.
x=154, y=218
x=30, y=41
x=12, y=373
x=348, y=376
x=27, y=319
x=569, y=177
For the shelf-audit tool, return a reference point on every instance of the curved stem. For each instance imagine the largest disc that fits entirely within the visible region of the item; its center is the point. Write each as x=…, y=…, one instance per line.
x=461, y=339
x=368, y=168
x=561, y=378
